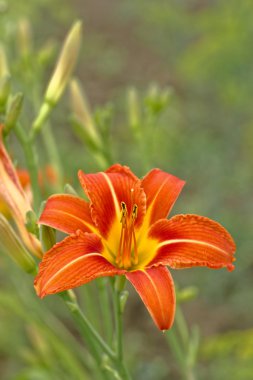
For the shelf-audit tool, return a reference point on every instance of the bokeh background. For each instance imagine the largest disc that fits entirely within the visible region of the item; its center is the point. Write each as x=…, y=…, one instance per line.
x=191, y=64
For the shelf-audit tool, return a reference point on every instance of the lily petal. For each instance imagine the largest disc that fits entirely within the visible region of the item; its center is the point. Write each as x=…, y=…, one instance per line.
x=192, y=240
x=162, y=190
x=106, y=190
x=156, y=289
x=73, y=262
x=67, y=213
x=14, y=196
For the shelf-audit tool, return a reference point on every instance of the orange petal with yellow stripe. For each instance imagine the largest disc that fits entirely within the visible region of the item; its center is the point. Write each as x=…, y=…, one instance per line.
x=156, y=289
x=162, y=190
x=106, y=190
x=192, y=240
x=67, y=213
x=73, y=262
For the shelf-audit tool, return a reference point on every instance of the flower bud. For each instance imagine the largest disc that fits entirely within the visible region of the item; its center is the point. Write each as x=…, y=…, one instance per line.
x=11, y=245
x=65, y=64
x=31, y=223
x=24, y=37
x=82, y=114
x=134, y=111
x=4, y=70
x=120, y=283
x=13, y=111
x=47, y=237
x=68, y=189
x=187, y=294
x=123, y=299
x=47, y=234
x=5, y=87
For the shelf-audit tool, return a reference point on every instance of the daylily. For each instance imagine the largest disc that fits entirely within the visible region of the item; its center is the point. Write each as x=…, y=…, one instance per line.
x=16, y=199
x=123, y=230
x=24, y=180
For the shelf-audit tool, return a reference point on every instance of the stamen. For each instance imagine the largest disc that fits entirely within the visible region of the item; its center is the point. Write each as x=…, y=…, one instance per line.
x=123, y=221
x=124, y=256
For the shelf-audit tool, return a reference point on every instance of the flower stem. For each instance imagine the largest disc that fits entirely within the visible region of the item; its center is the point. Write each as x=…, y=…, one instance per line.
x=106, y=308
x=118, y=321
x=85, y=325
x=54, y=158
x=119, y=337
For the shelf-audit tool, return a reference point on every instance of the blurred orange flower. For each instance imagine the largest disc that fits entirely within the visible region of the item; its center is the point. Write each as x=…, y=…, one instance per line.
x=123, y=230
x=15, y=199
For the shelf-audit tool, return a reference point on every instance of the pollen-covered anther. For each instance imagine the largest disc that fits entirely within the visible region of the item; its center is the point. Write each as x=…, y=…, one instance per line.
x=127, y=254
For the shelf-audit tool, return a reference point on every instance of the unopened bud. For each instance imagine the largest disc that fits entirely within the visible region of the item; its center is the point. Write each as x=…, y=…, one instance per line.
x=187, y=294
x=134, y=110
x=11, y=245
x=5, y=87
x=45, y=54
x=120, y=283
x=68, y=189
x=4, y=70
x=13, y=111
x=82, y=114
x=65, y=64
x=31, y=223
x=47, y=237
x=24, y=37
x=123, y=299
x=157, y=100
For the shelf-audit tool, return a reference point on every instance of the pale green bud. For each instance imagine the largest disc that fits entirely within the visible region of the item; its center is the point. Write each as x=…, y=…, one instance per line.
x=31, y=223
x=4, y=70
x=47, y=237
x=157, y=100
x=120, y=283
x=65, y=64
x=68, y=189
x=134, y=110
x=82, y=114
x=24, y=37
x=5, y=87
x=12, y=246
x=187, y=294
x=13, y=111
x=123, y=299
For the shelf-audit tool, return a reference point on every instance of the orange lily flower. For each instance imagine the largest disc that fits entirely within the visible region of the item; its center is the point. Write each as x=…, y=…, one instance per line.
x=123, y=230
x=14, y=196
x=24, y=180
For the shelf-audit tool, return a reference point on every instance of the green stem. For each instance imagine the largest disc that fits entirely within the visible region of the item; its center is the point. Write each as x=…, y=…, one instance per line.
x=86, y=326
x=53, y=154
x=31, y=161
x=182, y=327
x=119, y=337
x=41, y=118
x=106, y=308
x=118, y=327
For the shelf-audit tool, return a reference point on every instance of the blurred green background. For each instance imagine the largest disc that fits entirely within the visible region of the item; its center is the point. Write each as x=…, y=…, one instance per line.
x=198, y=56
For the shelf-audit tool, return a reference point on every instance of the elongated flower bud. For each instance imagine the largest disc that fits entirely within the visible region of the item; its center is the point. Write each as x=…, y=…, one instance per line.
x=4, y=70
x=47, y=237
x=11, y=245
x=68, y=189
x=24, y=37
x=65, y=64
x=82, y=113
x=5, y=86
x=134, y=110
x=13, y=111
